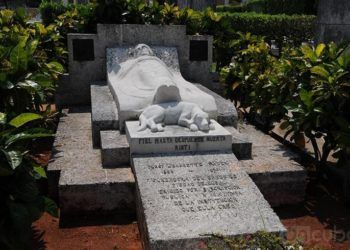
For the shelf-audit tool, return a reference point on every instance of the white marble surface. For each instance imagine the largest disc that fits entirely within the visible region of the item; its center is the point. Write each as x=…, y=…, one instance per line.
x=177, y=139
x=186, y=114
x=134, y=81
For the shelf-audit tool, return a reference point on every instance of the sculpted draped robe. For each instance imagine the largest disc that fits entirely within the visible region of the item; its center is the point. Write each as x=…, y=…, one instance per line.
x=145, y=80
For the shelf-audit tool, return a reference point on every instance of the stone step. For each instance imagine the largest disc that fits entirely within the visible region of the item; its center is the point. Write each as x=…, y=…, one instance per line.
x=104, y=112
x=177, y=139
x=241, y=144
x=76, y=177
x=184, y=198
x=115, y=149
x=274, y=168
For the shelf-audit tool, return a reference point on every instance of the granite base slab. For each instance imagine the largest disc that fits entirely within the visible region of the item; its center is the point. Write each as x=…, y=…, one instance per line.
x=183, y=199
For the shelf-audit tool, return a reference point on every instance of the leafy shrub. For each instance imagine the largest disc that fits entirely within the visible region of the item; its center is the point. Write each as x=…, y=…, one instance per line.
x=138, y=12
x=320, y=109
x=124, y=11
x=297, y=27
x=120, y=11
x=247, y=76
x=117, y=11
x=21, y=202
x=307, y=87
x=50, y=11
x=28, y=76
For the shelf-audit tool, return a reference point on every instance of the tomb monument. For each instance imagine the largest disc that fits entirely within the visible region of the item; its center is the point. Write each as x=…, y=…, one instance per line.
x=156, y=143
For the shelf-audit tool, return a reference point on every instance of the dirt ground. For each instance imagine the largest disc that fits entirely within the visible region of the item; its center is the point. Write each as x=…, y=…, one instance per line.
x=48, y=235
x=322, y=221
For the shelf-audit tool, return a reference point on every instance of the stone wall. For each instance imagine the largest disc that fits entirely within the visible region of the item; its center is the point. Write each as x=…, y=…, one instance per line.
x=87, y=55
x=333, y=22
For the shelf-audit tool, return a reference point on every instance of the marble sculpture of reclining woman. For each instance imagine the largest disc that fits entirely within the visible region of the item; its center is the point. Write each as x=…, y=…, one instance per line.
x=145, y=87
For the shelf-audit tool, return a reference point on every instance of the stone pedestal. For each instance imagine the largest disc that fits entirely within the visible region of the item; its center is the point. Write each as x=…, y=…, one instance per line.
x=176, y=139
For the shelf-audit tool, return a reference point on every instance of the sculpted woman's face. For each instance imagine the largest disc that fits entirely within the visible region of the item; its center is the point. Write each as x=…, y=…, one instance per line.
x=143, y=50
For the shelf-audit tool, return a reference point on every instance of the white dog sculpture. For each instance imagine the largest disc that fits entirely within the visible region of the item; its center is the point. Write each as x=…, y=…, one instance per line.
x=185, y=114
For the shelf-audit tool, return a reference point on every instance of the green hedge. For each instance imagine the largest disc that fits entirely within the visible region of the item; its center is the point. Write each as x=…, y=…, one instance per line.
x=297, y=27
x=231, y=8
x=277, y=6
x=289, y=7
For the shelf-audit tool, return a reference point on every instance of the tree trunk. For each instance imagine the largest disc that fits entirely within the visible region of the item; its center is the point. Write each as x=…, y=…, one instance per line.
x=326, y=150
x=315, y=147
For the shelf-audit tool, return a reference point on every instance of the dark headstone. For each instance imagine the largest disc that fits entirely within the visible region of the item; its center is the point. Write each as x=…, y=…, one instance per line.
x=83, y=50
x=198, y=50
